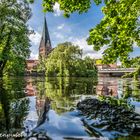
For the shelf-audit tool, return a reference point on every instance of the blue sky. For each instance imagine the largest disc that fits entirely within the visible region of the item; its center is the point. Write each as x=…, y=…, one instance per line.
x=74, y=29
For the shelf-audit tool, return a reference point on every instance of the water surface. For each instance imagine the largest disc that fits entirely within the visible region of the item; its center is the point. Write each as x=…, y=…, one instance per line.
x=47, y=106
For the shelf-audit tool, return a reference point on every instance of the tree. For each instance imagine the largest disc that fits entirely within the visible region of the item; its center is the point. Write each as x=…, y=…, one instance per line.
x=15, y=66
x=119, y=29
x=135, y=62
x=60, y=60
x=66, y=60
x=14, y=40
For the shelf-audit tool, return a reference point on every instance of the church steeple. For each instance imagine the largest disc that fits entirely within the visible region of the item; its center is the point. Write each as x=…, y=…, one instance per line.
x=45, y=35
x=45, y=44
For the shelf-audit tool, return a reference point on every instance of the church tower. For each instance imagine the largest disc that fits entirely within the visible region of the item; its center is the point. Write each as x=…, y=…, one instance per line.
x=45, y=43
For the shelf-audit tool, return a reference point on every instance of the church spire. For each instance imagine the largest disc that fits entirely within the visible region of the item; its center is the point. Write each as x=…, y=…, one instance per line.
x=45, y=44
x=45, y=35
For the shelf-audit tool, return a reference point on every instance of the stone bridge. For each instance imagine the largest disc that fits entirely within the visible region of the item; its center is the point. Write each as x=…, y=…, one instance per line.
x=108, y=72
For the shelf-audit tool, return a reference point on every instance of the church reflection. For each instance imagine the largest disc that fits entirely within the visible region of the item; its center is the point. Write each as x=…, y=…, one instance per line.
x=30, y=89
x=33, y=91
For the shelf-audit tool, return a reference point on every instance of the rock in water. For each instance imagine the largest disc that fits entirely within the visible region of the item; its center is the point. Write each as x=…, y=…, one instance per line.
x=109, y=120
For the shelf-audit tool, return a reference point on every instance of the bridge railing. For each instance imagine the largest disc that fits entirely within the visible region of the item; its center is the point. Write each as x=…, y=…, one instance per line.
x=118, y=69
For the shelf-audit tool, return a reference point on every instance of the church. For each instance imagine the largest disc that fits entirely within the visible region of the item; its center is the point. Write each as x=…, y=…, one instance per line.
x=44, y=49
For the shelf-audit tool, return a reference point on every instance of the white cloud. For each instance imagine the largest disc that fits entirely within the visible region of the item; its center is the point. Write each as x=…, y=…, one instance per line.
x=57, y=11
x=33, y=56
x=61, y=33
x=58, y=35
x=60, y=26
x=35, y=38
x=35, y=41
x=87, y=49
x=135, y=45
x=81, y=42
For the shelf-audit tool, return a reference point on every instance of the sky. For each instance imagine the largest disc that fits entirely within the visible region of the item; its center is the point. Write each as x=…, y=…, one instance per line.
x=74, y=29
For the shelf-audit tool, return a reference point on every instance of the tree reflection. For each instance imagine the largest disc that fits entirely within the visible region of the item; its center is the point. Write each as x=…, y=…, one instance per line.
x=13, y=105
x=136, y=89
x=64, y=92
x=109, y=91
x=131, y=89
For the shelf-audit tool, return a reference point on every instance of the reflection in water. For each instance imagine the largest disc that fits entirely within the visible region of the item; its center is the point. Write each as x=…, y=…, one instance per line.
x=31, y=118
x=133, y=93
x=60, y=126
x=62, y=94
x=48, y=105
x=107, y=87
x=122, y=89
x=30, y=89
x=66, y=92
x=13, y=105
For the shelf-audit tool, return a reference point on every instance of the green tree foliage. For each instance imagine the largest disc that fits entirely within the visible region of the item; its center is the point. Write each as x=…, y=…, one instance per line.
x=14, y=41
x=15, y=66
x=66, y=60
x=41, y=66
x=118, y=30
x=69, y=6
x=135, y=62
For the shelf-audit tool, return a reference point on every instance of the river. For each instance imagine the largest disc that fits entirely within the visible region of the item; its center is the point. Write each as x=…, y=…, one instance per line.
x=46, y=107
